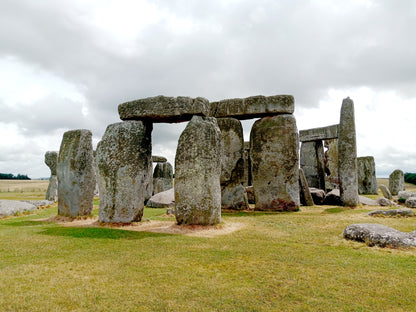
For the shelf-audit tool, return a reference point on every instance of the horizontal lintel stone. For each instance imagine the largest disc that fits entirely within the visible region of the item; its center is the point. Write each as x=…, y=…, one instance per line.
x=323, y=133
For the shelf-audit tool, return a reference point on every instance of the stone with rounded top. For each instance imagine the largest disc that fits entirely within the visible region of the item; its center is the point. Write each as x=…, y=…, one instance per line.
x=367, y=181
x=51, y=160
x=396, y=182
x=162, y=177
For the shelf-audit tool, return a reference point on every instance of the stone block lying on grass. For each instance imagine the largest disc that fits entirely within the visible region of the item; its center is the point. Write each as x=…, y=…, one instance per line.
x=403, y=212
x=12, y=207
x=411, y=202
x=386, y=202
x=162, y=199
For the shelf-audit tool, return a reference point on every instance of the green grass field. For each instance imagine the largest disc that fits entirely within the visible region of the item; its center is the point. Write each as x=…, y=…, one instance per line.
x=274, y=262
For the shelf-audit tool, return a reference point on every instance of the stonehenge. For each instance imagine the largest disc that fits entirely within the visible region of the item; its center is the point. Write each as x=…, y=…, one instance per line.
x=51, y=160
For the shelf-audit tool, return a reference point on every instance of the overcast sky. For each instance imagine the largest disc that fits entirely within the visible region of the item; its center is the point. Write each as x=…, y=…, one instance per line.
x=67, y=64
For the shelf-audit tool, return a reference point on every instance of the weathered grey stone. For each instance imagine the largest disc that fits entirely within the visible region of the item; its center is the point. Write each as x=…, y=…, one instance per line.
x=233, y=194
x=305, y=194
x=162, y=199
x=411, y=202
x=347, y=155
x=312, y=162
x=402, y=212
x=247, y=165
x=123, y=158
x=170, y=211
x=76, y=174
x=386, y=202
x=253, y=107
x=274, y=154
x=331, y=164
x=51, y=160
x=333, y=198
x=379, y=235
x=396, y=182
x=250, y=194
x=39, y=203
x=318, y=195
x=386, y=192
x=367, y=182
x=164, y=109
x=197, y=173
x=159, y=159
x=319, y=134
x=406, y=194
x=12, y=207
x=162, y=177
x=367, y=201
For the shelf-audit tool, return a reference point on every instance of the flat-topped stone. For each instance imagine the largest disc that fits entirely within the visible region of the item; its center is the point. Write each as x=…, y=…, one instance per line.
x=253, y=107
x=315, y=134
x=159, y=159
x=164, y=109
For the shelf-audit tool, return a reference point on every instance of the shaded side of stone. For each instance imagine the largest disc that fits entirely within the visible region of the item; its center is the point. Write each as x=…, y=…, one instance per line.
x=386, y=192
x=162, y=177
x=274, y=153
x=247, y=165
x=331, y=164
x=347, y=155
x=250, y=194
x=367, y=182
x=305, y=194
x=316, y=134
x=253, y=107
x=164, y=109
x=312, y=163
x=396, y=182
x=123, y=158
x=76, y=174
x=197, y=173
x=159, y=159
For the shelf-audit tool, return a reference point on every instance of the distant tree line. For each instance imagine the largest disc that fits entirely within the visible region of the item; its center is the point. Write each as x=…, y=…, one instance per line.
x=9, y=176
x=410, y=178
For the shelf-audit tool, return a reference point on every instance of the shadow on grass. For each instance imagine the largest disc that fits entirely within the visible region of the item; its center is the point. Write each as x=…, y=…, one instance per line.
x=102, y=233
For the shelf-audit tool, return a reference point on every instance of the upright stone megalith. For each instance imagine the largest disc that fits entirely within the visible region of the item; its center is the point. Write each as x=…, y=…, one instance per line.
x=274, y=152
x=312, y=162
x=197, y=173
x=162, y=177
x=396, y=182
x=76, y=174
x=233, y=194
x=51, y=160
x=367, y=181
x=123, y=158
x=347, y=155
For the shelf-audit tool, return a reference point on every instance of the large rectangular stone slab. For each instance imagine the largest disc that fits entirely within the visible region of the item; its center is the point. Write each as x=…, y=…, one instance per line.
x=315, y=134
x=164, y=109
x=253, y=107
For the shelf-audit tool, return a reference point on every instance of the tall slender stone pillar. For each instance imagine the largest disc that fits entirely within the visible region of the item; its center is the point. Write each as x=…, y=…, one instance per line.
x=396, y=182
x=51, y=160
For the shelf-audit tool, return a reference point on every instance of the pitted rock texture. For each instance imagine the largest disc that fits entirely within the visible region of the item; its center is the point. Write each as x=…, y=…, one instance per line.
x=76, y=174
x=162, y=199
x=367, y=182
x=51, y=160
x=312, y=162
x=123, y=159
x=402, y=212
x=386, y=192
x=197, y=173
x=323, y=133
x=159, y=159
x=406, y=194
x=12, y=207
x=347, y=155
x=411, y=202
x=274, y=155
x=305, y=194
x=318, y=195
x=253, y=107
x=396, y=182
x=379, y=235
x=162, y=177
x=164, y=109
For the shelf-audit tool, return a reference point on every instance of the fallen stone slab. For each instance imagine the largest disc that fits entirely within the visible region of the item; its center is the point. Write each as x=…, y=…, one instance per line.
x=402, y=212
x=411, y=202
x=333, y=198
x=253, y=107
x=164, y=109
x=39, y=203
x=367, y=201
x=11, y=207
x=386, y=202
x=406, y=194
x=315, y=134
x=318, y=195
x=162, y=199
x=379, y=235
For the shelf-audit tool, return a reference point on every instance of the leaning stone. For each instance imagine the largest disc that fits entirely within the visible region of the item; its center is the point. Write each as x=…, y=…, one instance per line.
x=162, y=177
x=386, y=192
x=347, y=155
x=76, y=174
x=411, y=202
x=274, y=155
x=12, y=207
x=318, y=195
x=367, y=182
x=379, y=235
x=402, y=212
x=162, y=199
x=253, y=107
x=123, y=158
x=197, y=173
x=396, y=182
x=323, y=133
x=305, y=194
x=233, y=194
x=159, y=159
x=51, y=160
x=333, y=198
x=164, y=109
x=406, y=194
x=312, y=162
x=386, y=202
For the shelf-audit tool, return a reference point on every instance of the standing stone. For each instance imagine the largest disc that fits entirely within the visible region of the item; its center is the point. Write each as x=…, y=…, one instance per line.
x=197, y=173
x=367, y=182
x=51, y=160
x=233, y=195
x=312, y=162
x=247, y=165
x=162, y=177
x=75, y=173
x=396, y=182
x=386, y=192
x=347, y=155
x=274, y=152
x=305, y=194
x=331, y=164
x=123, y=158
